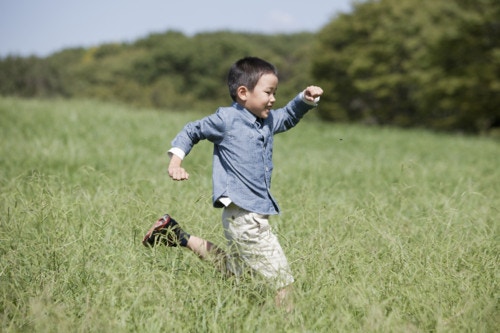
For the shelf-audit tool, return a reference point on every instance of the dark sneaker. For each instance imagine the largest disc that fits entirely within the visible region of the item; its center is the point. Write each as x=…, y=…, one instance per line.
x=166, y=230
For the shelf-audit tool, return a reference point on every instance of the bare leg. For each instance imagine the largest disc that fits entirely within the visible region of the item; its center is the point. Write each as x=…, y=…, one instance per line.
x=208, y=251
x=200, y=246
x=283, y=298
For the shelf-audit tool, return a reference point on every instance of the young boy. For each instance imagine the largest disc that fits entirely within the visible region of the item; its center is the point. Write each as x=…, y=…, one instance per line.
x=242, y=135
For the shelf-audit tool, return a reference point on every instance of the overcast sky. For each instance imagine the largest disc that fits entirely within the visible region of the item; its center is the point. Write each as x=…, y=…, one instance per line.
x=41, y=27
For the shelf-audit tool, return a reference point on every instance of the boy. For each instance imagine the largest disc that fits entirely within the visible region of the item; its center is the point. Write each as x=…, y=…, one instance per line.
x=242, y=135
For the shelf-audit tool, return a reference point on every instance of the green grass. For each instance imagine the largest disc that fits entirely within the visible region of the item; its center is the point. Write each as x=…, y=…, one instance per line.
x=386, y=230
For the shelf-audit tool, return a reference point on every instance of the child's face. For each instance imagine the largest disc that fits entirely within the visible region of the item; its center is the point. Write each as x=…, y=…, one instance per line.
x=260, y=100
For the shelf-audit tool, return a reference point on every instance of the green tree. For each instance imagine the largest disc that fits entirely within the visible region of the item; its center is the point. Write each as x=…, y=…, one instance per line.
x=459, y=76
x=29, y=77
x=411, y=63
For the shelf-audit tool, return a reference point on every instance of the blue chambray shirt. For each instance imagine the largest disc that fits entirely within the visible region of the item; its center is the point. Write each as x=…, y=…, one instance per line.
x=243, y=150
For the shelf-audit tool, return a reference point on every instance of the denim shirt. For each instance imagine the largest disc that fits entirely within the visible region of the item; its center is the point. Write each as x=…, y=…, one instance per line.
x=243, y=149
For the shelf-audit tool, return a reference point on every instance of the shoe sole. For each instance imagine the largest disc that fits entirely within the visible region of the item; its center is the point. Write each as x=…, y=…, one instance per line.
x=158, y=230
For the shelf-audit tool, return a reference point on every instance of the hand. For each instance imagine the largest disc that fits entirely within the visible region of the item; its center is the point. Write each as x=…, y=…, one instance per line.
x=178, y=173
x=312, y=92
x=175, y=170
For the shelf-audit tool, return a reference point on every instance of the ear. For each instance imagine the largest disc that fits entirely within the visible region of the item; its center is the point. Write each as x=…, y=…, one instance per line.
x=242, y=93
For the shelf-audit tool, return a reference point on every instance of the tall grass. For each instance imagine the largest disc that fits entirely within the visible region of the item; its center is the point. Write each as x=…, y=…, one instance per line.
x=386, y=230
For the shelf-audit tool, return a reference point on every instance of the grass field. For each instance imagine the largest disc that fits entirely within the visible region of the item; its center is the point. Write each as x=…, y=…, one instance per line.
x=386, y=230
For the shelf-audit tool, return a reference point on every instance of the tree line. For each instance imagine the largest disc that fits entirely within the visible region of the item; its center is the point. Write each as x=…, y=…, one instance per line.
x=168, y=70
x=429, y=63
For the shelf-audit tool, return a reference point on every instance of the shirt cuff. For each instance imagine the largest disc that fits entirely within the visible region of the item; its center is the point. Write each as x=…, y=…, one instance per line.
x=177, y=152
x=315, y=102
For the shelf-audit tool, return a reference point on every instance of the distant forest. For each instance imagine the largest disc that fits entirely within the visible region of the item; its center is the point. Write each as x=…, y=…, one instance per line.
x=410, y=63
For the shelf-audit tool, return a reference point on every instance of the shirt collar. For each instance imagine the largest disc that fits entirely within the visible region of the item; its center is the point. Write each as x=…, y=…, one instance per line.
x=247, y=114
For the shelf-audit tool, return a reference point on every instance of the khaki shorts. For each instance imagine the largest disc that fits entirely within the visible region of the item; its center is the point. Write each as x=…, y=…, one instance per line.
x=252, y=245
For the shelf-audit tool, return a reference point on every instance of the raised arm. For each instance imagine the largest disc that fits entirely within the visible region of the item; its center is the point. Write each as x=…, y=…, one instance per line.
x=287, y=117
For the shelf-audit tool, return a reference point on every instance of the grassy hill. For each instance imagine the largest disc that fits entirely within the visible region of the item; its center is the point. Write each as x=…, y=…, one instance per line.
x=386, y=230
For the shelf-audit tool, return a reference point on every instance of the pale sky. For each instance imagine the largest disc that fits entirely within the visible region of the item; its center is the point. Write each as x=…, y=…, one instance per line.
x=41, y=27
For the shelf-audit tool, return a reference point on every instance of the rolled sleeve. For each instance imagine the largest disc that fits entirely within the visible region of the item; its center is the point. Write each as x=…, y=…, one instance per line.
x=177, y=152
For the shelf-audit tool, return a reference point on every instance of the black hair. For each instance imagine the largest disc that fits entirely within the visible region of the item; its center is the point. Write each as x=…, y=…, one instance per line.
x=247, y=72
